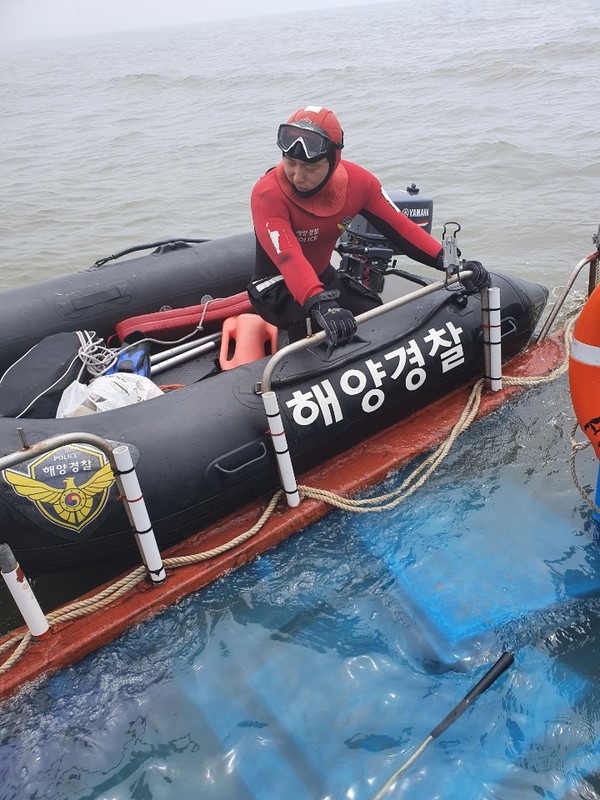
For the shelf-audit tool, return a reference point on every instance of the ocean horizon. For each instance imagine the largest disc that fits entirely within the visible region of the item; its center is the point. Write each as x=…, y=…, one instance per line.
x=120, y=139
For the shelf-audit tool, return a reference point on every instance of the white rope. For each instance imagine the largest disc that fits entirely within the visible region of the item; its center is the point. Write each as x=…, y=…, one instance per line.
x=94, y=355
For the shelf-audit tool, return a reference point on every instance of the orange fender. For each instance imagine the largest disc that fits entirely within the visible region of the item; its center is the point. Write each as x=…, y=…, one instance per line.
x=584, y=370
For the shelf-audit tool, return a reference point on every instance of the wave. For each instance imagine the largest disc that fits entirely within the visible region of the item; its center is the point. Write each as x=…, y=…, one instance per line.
x=150, y=80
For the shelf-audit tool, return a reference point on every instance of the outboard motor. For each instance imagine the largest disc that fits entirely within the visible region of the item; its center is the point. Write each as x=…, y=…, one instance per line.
x=416, y=206
x=365, y=253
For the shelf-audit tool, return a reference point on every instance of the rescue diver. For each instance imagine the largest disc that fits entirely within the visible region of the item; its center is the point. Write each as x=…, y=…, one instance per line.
x=299, y=209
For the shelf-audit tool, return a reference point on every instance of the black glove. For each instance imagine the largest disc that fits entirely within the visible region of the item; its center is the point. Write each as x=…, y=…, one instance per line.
x=338, y=323
x=480, y=279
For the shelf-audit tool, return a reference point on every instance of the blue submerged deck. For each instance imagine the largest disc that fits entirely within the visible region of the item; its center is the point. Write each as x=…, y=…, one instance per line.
x=466, y=573
x=315, y=671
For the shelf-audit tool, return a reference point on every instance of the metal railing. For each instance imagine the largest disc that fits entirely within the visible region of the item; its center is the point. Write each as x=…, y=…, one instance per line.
x=491, y=325
x=592, y=261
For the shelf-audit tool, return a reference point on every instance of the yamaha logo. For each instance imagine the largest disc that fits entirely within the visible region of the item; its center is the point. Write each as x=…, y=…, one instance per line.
x=415, y=213
x=420, y=216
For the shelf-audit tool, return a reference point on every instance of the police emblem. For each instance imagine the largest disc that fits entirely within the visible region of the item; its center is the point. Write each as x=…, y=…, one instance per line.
x=68, y=486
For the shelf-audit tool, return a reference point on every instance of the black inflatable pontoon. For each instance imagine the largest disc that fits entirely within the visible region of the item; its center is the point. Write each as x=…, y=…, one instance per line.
x=203, y=450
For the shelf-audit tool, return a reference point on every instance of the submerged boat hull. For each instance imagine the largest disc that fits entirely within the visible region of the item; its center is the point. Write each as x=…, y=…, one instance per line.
x=204, y=450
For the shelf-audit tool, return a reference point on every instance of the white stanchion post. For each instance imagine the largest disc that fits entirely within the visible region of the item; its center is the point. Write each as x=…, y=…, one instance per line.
x=282, y=453
x=492, y=336
x=485, y=329
x=23, y=595
x=138, y=514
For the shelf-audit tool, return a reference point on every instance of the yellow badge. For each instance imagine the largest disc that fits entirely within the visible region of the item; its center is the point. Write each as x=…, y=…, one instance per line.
x=69, y=485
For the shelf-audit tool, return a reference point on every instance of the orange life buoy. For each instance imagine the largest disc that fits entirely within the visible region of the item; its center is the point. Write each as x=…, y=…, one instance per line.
x=584, y=370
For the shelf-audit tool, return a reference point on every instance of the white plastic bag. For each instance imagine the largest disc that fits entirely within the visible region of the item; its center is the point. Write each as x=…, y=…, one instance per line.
x=74, y=401
x=105, y=393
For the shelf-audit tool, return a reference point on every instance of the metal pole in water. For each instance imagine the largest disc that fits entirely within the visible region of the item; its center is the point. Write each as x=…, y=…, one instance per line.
x=282, y=453
x=20, y=589
x=132, y=495
x=490, y=677
x=492, y=336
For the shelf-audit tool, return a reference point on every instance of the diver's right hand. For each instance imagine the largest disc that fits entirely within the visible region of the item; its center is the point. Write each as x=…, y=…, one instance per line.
x=338, y=323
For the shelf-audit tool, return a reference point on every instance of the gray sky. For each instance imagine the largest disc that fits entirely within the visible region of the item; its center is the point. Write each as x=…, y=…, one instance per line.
x=41, y=19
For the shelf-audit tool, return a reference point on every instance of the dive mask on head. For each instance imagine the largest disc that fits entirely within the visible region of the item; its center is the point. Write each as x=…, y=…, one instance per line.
x=305, y=141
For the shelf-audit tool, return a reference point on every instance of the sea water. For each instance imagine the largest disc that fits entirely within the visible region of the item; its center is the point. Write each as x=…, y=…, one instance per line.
x=316, y=670
x=490, y=108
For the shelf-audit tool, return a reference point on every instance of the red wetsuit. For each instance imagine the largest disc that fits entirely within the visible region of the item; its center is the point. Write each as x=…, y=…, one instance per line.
x=296, y=236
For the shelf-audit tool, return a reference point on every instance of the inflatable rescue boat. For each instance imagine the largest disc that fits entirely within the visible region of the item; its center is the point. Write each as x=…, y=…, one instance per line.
x=179, y=317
